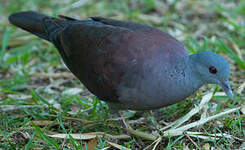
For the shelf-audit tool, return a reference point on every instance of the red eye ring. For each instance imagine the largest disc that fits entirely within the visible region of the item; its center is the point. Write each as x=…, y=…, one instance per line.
x=212, y=70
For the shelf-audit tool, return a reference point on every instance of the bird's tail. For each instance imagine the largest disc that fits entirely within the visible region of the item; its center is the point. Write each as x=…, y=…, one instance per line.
x=39, y=24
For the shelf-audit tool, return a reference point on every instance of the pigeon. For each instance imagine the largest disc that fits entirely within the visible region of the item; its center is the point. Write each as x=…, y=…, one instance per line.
x=126, y=64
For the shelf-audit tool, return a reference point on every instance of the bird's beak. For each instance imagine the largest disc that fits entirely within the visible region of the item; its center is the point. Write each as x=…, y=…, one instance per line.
x=227, y=88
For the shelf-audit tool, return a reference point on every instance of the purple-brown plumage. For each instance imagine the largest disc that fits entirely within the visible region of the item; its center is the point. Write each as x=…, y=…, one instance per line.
x=103, y=54
x=123, y=63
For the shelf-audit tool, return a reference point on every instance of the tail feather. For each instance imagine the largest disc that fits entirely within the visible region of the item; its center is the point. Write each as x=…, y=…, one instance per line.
x=39, y=24
x=45, y=27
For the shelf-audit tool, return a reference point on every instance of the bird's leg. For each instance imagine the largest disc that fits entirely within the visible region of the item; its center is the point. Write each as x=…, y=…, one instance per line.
x=121, y=120
x=153, y=117
x=130, y=131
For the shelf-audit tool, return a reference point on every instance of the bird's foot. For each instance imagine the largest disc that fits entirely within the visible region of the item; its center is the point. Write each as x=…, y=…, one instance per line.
x=129, y=130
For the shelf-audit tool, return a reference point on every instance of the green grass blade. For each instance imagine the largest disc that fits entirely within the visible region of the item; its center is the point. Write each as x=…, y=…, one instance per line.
x=232, y=54
x=45, y=137
x=4, y=43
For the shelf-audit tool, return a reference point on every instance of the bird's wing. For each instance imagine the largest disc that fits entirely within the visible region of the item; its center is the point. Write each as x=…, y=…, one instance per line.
x=97, y=54
x=125, y=24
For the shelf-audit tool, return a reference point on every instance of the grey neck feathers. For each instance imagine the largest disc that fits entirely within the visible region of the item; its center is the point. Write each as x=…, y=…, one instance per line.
x=188, y=81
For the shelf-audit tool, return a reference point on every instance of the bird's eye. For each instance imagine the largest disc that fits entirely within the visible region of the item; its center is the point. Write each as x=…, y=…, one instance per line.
x=212, y=70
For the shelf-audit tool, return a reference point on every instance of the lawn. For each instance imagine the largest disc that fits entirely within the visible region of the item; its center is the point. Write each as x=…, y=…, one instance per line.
x=43, y=106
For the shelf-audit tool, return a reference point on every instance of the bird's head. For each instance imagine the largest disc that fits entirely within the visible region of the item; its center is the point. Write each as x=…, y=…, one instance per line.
x=212, y=68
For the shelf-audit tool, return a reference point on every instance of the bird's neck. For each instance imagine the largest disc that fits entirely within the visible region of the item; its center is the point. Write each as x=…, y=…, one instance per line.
x=190, y=81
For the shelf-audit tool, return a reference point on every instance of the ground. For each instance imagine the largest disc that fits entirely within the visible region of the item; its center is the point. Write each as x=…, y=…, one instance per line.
x=40, y=98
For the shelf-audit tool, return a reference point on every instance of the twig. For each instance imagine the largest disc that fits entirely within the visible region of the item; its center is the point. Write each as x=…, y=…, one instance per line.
x=15, y=107
x=143, y=135
x=180, y=130
x=236, y=49
x=75, y=5
x=52, y=75
x=87, y=136
x=156, y=142
x=212, y=136
x=194, y=111
x=241, y=88
x=63, y=117
x=191, y=140
x=120, y=147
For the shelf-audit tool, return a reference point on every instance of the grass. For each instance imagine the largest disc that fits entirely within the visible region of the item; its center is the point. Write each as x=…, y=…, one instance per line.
x=27, y=95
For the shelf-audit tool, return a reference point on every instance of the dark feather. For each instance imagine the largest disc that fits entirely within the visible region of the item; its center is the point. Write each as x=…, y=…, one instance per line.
x=101, y=51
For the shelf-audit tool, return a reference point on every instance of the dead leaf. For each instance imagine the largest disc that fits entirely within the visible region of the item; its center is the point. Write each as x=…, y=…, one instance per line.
x=72, y=91
x=92, y=143
x=242, y=146
x=85, y=136
x=235, y=48
x=21, y=138
x=243, y=108
x=206, y=146
x=52, y=75
x=91, y=135
x=185, y=147
x=17, y=107
x=151, y=18
x=118, y=146
x=241, y=88
x=19, y=96
x=219, y=124
x=45, y=123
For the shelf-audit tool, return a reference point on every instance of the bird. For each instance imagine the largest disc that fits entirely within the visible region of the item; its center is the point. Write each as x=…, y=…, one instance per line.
x=126, y=64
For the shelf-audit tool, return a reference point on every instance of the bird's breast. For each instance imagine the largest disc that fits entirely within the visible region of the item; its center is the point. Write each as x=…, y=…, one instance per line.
x=152, y=85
